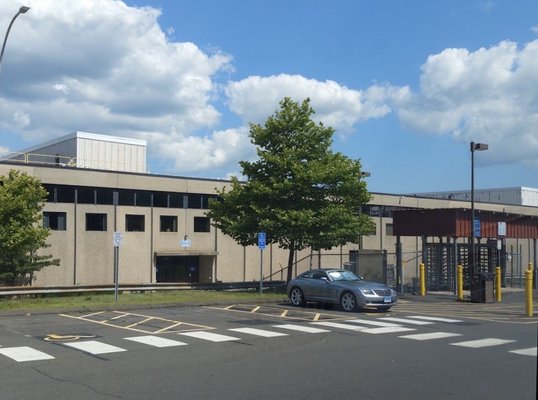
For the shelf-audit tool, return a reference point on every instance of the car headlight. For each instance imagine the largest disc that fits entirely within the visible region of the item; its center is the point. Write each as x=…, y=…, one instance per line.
x=368, y=292
x=392, y=292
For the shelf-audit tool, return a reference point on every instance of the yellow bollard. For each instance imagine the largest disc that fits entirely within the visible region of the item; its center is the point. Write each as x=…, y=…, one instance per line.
x=422, y=279
x=528, y=291
x=498, y=284
x=460, y=282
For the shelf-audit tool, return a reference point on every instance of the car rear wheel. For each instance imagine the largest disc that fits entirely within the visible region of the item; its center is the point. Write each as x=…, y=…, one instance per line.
x=348, y=301
x=297, y=297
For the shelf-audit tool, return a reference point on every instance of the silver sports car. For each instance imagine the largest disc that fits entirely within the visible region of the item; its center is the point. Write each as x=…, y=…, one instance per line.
x=340, y=286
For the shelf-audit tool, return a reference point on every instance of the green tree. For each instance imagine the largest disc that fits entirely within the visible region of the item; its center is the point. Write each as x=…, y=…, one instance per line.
x=298, y=191
x=22, y=234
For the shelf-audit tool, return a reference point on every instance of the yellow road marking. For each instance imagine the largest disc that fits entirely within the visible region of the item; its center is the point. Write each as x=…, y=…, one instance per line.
x=131, y=327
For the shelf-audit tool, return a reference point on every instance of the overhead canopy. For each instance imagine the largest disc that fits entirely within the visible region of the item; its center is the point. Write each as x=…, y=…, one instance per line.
x=456, y=222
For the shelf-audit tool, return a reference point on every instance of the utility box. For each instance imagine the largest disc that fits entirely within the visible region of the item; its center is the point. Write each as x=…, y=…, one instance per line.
x=482, y=287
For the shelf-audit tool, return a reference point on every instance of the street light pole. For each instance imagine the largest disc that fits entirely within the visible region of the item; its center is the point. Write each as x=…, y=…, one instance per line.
x=472, y=259
x=22, y=10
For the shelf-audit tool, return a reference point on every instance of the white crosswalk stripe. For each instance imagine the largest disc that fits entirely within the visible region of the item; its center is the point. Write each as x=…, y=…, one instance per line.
x=24, y=353
x=407, y=321
x=387, y=329
x=301, y=328
x=372, y=322
x=436, y=319
x=94, y=347
x=339, y=325
x=258, y=332
x=430, y=336
x=156, y=341
x=531, y=351
x=210, y=336
x=476, y=344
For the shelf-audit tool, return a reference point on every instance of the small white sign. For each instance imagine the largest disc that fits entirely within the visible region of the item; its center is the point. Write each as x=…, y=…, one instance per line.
x=501, y=229
x=118, y=239
x=186, y=243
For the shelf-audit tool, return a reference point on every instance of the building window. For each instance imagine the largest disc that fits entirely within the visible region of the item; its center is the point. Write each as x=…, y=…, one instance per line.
x=85, y=195
x=388, y=229
x=95, y=222
x=134, y=223
x=168, y=223
x=55, y=221
x=160, y=199
x=201, y=224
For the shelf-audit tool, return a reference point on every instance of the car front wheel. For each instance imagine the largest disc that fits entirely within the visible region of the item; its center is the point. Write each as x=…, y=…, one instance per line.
x=348, y=301
x=296, y=297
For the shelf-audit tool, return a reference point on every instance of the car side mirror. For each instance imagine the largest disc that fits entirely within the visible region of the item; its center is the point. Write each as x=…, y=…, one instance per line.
x=324, y=279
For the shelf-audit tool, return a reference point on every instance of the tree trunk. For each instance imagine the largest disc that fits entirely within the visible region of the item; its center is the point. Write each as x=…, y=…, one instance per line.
x=290, y=262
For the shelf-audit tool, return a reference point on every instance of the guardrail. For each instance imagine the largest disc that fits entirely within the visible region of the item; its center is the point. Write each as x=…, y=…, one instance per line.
x=13, y=291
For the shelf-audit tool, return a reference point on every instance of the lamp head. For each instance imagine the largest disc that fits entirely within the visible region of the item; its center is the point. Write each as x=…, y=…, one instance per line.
x=478, y=146
x=24, y=9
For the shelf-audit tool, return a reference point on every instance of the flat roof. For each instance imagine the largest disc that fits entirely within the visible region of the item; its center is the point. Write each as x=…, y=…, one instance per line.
x=86, y=135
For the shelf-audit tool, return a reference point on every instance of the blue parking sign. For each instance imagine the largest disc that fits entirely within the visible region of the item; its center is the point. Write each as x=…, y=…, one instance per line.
x=261, y=240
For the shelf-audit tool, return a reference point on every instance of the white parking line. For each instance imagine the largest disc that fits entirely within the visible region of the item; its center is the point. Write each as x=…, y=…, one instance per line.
x=300, y=328
x=407, y=321
x=482, y=343
x=156, y=341
x=437, y=319
x=258, y=332
x=531, y=351
x=24, y=353
x=430, y=336
x=94, y=347
x=212, y=337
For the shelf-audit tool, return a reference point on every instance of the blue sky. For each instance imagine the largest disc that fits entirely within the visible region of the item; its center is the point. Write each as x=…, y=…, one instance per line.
x=406, y=84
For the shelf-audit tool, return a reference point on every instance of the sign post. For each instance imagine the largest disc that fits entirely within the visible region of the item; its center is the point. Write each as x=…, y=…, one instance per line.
x=261, y=245
x=118, y=239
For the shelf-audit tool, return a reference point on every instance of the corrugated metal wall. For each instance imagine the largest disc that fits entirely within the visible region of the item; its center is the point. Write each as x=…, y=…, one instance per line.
x=457, y=223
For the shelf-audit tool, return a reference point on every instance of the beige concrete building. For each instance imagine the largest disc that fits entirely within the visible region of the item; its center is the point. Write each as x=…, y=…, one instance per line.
x=166, y=236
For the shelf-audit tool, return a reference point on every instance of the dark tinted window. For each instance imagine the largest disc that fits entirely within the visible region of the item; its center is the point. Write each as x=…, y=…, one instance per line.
x=55, y=221
x=168, y=223
x=95, y=222
x=143, y=199
x=176, y=200
x=105, y=196
x=126, y=197
x=202, y=224
x=85, y=195
x=134, y=223
x=160, y=199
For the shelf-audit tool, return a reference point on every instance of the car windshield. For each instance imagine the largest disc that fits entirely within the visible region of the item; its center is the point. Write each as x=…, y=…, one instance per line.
x=343, y=276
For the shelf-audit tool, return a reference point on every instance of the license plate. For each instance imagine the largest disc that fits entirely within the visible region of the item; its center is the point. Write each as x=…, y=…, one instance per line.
x=387, y=299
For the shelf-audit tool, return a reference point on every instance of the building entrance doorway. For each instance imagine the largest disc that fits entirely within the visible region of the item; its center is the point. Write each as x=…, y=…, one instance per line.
x=177, y=269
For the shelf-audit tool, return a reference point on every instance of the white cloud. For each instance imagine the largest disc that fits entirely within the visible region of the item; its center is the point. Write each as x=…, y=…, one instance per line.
x=489, y=95
x=255, y=98
x=220, y=150
x=102, y=66
x=3, y=150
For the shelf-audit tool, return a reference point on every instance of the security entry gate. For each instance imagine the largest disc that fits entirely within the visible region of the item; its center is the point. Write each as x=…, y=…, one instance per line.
x=441, y=260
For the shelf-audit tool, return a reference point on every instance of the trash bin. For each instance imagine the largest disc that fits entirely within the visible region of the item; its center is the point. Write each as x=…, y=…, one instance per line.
x=482, y=288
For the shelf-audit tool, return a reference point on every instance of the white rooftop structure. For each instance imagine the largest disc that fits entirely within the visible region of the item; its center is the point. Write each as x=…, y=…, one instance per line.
x=88, y=150
x=520, y=196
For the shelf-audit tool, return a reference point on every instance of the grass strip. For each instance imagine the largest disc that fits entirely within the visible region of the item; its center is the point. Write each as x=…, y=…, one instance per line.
x=83, y=301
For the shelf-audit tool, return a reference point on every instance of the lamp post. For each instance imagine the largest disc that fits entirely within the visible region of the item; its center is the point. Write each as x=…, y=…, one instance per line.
x=472, y=259
x=22, y=10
